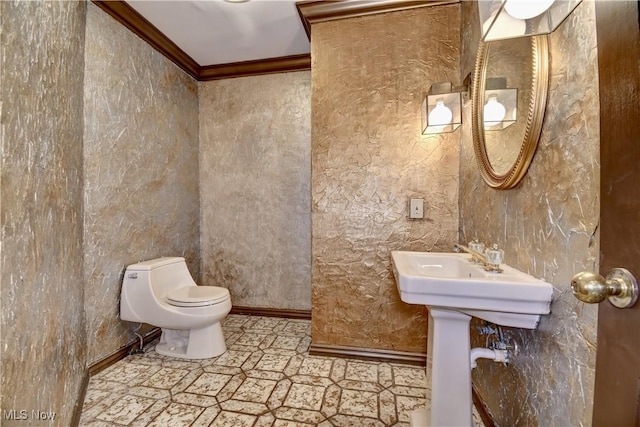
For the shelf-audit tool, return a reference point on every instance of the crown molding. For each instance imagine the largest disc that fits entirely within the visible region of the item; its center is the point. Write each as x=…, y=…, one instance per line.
x=314, y=11
x=310, y=11
x=282, y=64
x=135, y=22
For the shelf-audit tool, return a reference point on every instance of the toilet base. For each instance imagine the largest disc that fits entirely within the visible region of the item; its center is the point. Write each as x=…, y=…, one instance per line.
x=203, y=343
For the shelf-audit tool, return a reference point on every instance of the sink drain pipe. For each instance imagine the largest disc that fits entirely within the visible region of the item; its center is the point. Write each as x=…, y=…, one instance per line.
x=488, y=353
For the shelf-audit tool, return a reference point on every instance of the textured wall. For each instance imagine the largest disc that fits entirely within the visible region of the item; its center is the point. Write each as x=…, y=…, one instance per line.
x=255, y=178
x=548, y=228
x=140, y=171
x=368, y=159
x=43, y=335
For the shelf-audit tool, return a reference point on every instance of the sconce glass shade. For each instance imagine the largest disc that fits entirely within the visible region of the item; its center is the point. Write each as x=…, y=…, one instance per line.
x=494, y=111
x=441, y=110
x=506, y=19
x=440, y=115
x=501, y=105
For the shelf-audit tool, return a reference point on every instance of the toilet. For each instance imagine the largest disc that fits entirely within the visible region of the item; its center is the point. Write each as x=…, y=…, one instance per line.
x=161, y=292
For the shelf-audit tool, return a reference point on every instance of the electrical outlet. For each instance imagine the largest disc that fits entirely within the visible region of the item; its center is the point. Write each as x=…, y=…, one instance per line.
x=416, y=208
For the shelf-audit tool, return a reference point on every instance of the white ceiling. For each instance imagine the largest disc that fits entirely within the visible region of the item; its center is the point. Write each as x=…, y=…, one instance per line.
x=216, y=32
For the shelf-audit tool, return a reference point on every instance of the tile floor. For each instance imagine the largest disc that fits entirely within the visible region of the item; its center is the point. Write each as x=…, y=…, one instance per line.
x=266, y=378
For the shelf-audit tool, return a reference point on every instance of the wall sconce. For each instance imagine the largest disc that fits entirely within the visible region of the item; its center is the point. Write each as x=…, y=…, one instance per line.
x=441, y=109
x=501, y=104
x=506, y=19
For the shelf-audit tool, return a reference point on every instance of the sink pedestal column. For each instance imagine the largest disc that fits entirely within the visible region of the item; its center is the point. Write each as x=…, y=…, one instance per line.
x=449, y=368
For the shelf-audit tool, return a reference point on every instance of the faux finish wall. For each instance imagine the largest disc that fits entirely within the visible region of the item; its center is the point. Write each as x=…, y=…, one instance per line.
x=43, y=335
x=369, y=77
x=255, y=147
x=548, y=227
x=140, y=169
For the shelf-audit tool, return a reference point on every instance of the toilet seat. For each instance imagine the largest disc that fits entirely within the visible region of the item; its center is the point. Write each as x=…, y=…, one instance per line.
x=197, y=296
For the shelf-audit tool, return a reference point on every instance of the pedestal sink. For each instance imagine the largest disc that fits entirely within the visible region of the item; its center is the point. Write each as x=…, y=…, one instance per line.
x=454, y=289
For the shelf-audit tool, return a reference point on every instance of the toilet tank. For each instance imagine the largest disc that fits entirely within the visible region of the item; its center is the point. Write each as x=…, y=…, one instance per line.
x=165, y=274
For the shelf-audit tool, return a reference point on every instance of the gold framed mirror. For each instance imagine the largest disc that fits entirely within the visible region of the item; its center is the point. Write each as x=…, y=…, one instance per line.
x=505, y=147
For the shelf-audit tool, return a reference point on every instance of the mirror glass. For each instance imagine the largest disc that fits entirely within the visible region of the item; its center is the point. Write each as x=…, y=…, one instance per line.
x=509, y=97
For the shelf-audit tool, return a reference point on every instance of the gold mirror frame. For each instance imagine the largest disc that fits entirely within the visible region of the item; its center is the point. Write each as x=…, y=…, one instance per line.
x=535, y=115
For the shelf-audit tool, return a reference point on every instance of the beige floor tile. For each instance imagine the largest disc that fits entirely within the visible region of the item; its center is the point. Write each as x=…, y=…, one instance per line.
x=286, y=342
x=267, y=323
x=255, y=390
x=94, y=396
x=231, y=387
x=151, y=392
x=187, y=380
x=125, y=410
x=318, y=366
x=406, y=404
x=299, y=415
x=265, y=379
x=302, y=396
x=250, y=339
x=208, y=384
x=147, y=416
x=177, y=415
x=233, y=358
x=331, y=400
x=408, y=391
x=201, y=400
x=265, y=420
x=166, y=378
x=267, y=342
x=298, y=327
x=294, y=364
x=412, y=376
x=387, y=405
x=207, y=416
x=279, y=394
x=228, y=419
x=126, y=373
x=273, y=362
x=360, y=403
x=235, y=321
x=373, y=387
x=241, y=406
x=361, y=371
x=351, y=421
x=287, y=423
x=338, y=370
x=304, y=345
x=265, y=375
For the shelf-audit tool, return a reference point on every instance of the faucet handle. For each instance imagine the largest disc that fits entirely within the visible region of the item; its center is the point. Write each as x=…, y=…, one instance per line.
x=474, y=245
x=494, y=257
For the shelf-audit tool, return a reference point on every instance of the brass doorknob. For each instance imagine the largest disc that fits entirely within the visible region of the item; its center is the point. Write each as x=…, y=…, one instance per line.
x=620, y=287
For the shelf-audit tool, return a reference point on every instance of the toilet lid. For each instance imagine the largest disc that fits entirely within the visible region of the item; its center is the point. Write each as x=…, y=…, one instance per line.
x=197, y=296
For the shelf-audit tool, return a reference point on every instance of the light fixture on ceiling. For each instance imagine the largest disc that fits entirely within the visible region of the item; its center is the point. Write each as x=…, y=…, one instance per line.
x=441, y=108
x=501, y=104
x=236, y=1
x=506, y=19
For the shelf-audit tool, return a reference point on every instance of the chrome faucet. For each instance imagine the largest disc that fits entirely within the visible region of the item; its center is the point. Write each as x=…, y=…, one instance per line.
x=494, y=254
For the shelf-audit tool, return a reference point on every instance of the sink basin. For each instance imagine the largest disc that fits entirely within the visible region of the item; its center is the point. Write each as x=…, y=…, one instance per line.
x=454, y=290
x=450, y=280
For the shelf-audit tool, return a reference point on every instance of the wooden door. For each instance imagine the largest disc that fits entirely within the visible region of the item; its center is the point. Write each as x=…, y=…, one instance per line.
x=617, y=388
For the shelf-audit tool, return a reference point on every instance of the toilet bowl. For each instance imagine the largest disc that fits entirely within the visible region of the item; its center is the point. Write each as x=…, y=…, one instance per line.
x=161, y=292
